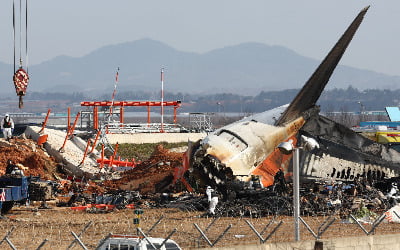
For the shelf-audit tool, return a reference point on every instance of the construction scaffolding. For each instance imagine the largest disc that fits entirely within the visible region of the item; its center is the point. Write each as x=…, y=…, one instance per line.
x=93, y=118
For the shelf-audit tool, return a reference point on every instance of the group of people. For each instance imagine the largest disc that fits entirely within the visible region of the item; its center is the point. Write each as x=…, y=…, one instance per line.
x=7, y=127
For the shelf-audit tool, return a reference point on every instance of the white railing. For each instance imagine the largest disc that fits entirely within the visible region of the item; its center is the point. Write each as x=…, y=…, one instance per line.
x=130, y=128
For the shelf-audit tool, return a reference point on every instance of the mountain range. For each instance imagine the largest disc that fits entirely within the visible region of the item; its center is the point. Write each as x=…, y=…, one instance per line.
x=246, y=69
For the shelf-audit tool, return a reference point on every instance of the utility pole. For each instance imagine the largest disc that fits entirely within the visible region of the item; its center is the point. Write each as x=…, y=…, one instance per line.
x=362, y=111
x=296, y=193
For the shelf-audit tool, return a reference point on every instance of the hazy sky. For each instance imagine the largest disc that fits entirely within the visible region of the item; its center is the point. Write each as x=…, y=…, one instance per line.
x=309, y=27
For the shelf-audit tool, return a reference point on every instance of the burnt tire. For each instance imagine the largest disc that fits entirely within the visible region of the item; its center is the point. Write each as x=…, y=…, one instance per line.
x=7, y=205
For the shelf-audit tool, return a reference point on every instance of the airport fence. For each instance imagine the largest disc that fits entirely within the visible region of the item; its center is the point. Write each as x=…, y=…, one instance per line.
x=193, y=231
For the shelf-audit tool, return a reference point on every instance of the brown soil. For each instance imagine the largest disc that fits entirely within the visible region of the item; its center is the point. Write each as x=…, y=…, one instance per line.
x=143, y=178
x=150, y=173
x=31, y=156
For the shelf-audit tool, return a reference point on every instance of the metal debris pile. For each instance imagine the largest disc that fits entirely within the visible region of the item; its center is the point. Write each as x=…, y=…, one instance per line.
x=317, y=198
x=72, y=191
x=150, y=176
x=150, y=185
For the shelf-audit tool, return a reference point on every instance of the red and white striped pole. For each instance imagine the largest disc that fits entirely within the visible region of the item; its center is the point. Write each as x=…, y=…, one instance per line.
x=113, y=95
x=162, y=100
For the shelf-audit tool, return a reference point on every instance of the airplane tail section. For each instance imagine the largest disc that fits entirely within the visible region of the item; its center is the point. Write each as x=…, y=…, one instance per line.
x=311, y=91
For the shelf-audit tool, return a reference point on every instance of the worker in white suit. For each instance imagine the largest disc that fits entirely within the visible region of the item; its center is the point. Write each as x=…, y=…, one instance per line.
x=7, y=127
x=212, y=197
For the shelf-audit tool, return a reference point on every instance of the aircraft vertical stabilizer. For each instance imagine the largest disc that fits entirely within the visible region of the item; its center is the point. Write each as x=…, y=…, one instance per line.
x=249, y=146
x=310, y=93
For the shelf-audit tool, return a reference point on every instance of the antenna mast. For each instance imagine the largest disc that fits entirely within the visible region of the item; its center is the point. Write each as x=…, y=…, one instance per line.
x=113, y=94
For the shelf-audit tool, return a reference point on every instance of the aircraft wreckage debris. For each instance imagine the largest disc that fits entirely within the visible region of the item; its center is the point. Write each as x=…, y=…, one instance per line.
x=146, y=186
x=368, y=178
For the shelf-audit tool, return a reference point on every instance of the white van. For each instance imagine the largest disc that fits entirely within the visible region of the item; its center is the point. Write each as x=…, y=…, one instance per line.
x=131, y=242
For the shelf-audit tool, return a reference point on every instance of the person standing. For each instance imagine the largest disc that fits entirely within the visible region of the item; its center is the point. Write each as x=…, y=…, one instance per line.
x=212, y=197
x=7, y=127
x=10, y=166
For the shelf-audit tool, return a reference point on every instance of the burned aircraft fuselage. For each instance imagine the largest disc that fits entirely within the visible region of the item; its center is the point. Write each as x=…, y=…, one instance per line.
x=235, y=151
x=247, y=147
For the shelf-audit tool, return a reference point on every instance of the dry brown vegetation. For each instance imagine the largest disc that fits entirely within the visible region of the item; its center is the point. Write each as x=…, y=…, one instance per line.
x=56, y=224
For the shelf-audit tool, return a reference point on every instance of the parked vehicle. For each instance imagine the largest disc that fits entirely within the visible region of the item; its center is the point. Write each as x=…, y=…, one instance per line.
x=132, y=242
x=17, y=188
x=12, y=189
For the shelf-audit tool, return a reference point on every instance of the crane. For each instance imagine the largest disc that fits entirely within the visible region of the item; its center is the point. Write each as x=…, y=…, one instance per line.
x=21, y=77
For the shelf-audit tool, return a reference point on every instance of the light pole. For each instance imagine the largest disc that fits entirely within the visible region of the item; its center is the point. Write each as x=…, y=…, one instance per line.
x=296, y=193
x=219, y=107
x=223, y=110
x=287, y=148
x=362, y=110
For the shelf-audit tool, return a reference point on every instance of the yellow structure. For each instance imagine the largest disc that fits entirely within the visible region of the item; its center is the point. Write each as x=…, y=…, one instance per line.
x=387, y=137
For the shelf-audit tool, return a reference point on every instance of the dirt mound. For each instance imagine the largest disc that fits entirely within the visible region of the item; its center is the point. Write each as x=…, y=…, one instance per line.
x=31, y=156
x=149, y=176
x=152, y=175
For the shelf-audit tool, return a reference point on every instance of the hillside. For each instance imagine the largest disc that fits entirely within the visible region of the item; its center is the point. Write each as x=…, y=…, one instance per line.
x=245, y=68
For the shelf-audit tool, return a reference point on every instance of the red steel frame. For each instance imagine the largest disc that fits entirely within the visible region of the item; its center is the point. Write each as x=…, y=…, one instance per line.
x=45, y=121
x=123, y=104
x=70, y=130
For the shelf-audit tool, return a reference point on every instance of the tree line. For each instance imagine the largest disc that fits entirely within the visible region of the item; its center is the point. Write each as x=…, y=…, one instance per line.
x=333, y=100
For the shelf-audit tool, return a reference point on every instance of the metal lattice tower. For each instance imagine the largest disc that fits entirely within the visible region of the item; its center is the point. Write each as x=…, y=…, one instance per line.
x=104, y=139
x=107, y=120
x=201, y=121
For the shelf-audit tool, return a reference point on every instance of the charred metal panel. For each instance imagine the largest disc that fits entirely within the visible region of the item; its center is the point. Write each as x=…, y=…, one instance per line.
x=332, y=168
x=275, y=162
x=344, y=154
x=341, y=141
